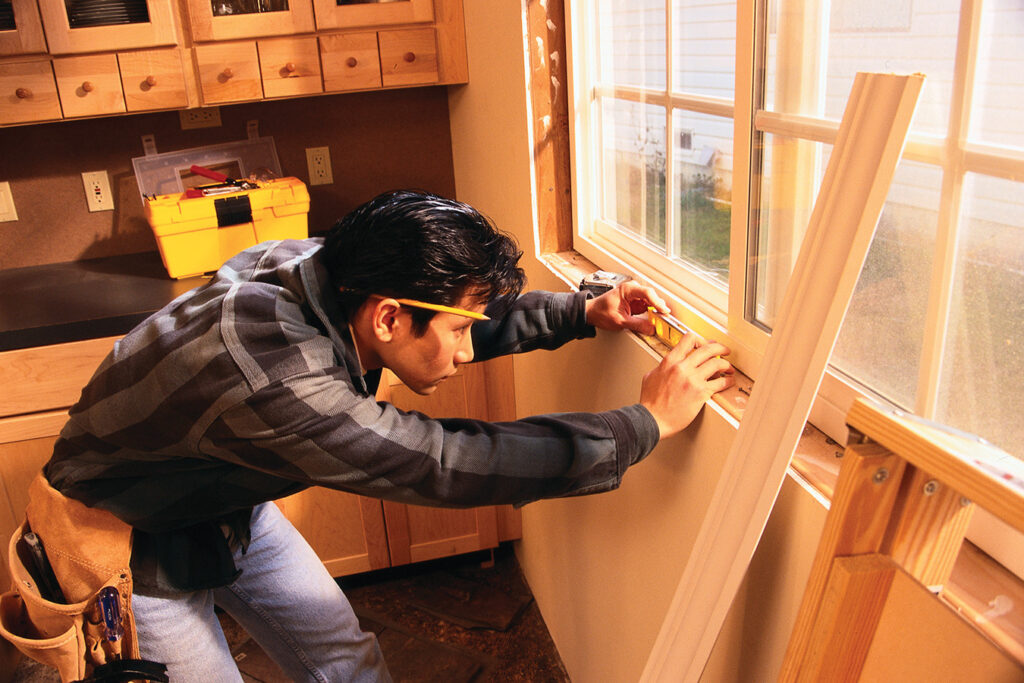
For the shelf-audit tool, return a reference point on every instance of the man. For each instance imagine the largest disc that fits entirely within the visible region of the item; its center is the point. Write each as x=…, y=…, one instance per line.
x=261, y=383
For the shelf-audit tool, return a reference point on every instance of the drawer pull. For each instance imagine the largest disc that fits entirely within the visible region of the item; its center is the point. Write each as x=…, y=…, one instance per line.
x=289, y=67
x=227, y=73
x=351, y=62
x=23, y=93
x=410, y=57
x=87, y=86
x=150, y=81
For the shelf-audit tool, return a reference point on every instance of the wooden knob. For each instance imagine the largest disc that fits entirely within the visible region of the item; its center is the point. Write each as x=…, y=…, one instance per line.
x=227, y=72
x=23, y=93
x=351, y=61
x=289, y=67
x=409, y=57
x=151, y=81
x=87, y=86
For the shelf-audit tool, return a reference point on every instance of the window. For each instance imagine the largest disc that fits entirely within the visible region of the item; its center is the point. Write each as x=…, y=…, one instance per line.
x=704, y=127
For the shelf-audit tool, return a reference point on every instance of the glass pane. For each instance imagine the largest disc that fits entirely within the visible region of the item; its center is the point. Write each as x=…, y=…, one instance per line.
x=226, y=7
x=980, y=389
x=997, y=116
x=791, y=171
x=704, y=47
x=631, y=34
x=883, y=332
x=85, y=13
x=7, y=22
x=898, y=36
x=633, y=168
x=703, y=182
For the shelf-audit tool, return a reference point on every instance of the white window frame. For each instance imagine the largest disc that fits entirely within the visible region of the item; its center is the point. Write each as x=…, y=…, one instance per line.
x=696, y=300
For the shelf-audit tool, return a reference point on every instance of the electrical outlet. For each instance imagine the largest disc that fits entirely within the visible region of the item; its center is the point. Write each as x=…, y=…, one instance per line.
x=319, y=161
x=97, y=191
x=207, y=117
x=7, y=210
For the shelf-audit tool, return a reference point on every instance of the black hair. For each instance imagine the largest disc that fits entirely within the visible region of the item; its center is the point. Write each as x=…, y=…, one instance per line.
x=417, y=245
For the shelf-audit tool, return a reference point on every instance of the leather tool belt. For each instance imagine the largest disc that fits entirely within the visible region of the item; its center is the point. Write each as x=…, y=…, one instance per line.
x=89, y=550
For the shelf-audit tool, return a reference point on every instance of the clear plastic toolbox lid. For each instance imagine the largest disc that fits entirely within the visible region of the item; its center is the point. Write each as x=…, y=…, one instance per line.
x=169, y=172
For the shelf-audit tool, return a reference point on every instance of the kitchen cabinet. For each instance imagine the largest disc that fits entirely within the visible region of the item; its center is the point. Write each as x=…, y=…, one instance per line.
x=89, y=85
x=408, y=57
x=78, y=26
x=153, y=79
x=336, y=14
x=214, y=20
x=28, y=92
x=289, y=67
x=351, y=61
x=21, y=30
x=229, y=72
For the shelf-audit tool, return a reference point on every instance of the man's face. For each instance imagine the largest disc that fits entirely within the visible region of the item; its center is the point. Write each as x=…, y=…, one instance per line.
x=423, y=362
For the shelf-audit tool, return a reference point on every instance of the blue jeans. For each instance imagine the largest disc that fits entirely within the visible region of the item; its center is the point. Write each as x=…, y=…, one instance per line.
x=284, y=599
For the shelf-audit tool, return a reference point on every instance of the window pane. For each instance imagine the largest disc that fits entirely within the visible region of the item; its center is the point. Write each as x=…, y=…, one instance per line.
x=864, y=35
x=631, y=34
x=998, y=115
x=791, y=172
x=703, y=182
x=883, y=332
x=704, y=47
x=984, y=355
x=633, y=168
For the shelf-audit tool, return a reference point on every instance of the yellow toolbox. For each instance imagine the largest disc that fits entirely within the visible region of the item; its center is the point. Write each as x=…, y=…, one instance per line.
x=198, y=230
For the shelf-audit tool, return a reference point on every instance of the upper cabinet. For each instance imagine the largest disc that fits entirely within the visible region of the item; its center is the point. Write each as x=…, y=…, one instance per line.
x=21, y=32
x=358, y=13
x=228, y=19
x=75, y=26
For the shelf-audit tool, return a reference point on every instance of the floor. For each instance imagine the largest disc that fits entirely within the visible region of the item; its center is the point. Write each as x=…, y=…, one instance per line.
x=457, y=620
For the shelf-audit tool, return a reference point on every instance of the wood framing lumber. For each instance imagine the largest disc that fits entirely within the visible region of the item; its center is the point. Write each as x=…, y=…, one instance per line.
x=868, y=146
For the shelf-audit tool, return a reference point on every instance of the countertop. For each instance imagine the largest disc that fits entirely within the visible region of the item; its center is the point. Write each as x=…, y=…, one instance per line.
x=64, y=302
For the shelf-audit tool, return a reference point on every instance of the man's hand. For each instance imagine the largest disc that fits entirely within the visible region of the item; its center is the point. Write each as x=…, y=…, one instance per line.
x=676, y=390
x=625, y=308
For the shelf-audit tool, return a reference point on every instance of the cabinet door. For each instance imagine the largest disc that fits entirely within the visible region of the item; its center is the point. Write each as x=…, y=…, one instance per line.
x=408, y=57
x=350, y=61
x=89, y=86
x=289, y=67
x=26, y=443
x=417, y=533
x=345, y=530
x=98, y=25
x=354, y=13
x=229, y=19
x=21, y=31
x=229, y=72
x=27, y=93
x=153, y=79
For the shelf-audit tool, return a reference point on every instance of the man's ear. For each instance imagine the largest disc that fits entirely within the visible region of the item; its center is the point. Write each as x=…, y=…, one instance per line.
x=385, y=321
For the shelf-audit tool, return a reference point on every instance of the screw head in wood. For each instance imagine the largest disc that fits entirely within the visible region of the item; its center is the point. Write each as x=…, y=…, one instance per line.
x=931, y=487
x=881, y=474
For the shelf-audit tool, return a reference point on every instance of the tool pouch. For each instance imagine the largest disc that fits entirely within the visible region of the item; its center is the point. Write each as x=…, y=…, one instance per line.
x=88, y=549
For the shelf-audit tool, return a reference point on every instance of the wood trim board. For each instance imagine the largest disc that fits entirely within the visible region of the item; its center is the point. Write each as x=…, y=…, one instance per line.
x=868, y=146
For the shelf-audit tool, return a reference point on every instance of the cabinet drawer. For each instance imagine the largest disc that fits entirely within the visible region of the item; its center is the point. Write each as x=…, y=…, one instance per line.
x=89, y=86
x=408, y=57
x=48, y=377
x=289, y=66
x=153, y=79
x=229, y=72
x=28, y=92
x=350, y=61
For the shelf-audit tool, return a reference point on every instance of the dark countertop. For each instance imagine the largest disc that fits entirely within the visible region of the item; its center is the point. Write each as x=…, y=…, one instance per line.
x=64, y=302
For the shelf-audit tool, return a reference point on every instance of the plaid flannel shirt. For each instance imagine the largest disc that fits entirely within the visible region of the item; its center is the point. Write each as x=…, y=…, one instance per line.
x=248, y=389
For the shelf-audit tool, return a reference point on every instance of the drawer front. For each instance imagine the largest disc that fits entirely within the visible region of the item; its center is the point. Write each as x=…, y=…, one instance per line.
x=229, y=72
x=89, y=86
x=48, y=377
x=350, y=61
x=289, y=66
x=28, y=93
x=408, y=57
x=153, y=79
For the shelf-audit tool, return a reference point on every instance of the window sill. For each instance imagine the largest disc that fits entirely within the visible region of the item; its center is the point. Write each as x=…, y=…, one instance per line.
x=980, y=589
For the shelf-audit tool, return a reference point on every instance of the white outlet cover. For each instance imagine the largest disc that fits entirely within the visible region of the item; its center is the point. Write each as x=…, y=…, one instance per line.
x=97, y=191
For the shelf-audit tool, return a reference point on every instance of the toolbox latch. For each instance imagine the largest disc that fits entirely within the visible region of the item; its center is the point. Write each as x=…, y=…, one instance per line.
x=233, y=210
